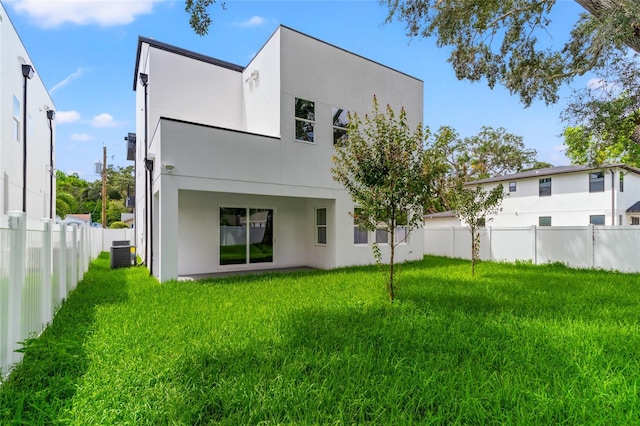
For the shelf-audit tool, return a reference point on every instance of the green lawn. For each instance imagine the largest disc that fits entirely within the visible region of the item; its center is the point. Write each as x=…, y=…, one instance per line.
x=519, y=344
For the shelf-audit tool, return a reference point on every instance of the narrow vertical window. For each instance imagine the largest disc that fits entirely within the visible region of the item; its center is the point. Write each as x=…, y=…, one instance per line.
x=512, y=187
x=305, y=120
x=621, y=182
x=545, y=187
x=321, y=226
x=340, y=123
x=596, y=182
x=360, y=236
x=16, y=119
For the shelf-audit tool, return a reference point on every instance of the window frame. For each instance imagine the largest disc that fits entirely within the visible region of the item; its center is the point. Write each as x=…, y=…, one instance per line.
x=621, y=182
x=542, y=219
x=304, y=120
x=635, y=219
x=319, y=226
x=382, y=231
x=596, y=184
x=357, y=230
x=337, y=127
x=592, y=216
x=512, y=186
x=542, y=191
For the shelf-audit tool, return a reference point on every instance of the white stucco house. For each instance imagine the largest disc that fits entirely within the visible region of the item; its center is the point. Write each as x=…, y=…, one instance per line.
x=564, y=196
x=238, y=157
x=27, y=114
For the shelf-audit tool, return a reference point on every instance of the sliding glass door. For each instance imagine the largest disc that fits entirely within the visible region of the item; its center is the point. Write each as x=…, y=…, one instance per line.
x=246, y=235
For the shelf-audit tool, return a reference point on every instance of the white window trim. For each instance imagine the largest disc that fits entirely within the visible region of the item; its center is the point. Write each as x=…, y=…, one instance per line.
x=318, y=226
x=305, y=120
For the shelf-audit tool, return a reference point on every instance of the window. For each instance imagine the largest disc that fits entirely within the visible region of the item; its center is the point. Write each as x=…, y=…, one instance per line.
x=360, y=236
x=544, y=221
x=321, y=226
x=246, y=235
x=545, y=187
x=621, y=182
x=619, y=219
x=596, y=219
x=635, y=220
x=596, y=182
x=305, y=120
x=512, y=187
x=382, y=236
x=340, y=123
x=16, y=119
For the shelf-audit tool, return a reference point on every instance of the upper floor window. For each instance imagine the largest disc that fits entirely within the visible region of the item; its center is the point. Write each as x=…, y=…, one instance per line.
x=305, y=120
x=16, y=119
x=596, y=219
x=340, y=123
x=512, y=187
x=545, y=187
x=596, y=182
x=621, y=182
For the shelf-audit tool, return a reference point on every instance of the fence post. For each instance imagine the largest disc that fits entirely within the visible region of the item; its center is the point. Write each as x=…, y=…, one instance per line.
x=17, y=265
x=489, y=234
x=592, y=236
x=534, y=244
x=62, y=288
x=46, y=310
x=74, y=258
x=453, y=242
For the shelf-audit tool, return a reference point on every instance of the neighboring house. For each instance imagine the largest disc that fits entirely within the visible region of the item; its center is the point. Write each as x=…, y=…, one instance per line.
x=127, y=218
x=78, y=219
x=569, y=196
x=16, y=69
x=241, y=155
x=441, y=219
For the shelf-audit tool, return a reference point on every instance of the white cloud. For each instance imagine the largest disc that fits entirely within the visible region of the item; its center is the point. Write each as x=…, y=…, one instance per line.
x=254, y=21
x=53, y=13
x=81, y=137
x=67, y=80
x=104, y=120
x=63, y=117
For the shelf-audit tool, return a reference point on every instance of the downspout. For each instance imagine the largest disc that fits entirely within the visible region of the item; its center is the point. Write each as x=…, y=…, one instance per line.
x=50, y=116
x=613, y=189
x=144, y=79
x=27, y=73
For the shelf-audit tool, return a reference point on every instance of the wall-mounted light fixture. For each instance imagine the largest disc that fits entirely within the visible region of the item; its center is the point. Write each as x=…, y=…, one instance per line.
x=169, y=167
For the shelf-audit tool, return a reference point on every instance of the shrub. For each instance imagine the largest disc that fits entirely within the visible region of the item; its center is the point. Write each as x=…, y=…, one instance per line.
x=118, y=225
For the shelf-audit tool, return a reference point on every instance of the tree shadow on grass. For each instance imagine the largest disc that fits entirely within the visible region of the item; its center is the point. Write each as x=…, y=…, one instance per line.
x=43, y=384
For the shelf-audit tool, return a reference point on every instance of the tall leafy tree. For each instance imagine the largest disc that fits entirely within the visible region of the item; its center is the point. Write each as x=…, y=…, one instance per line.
x=453, y=161
x=474, y=207
x=381, y=165
x=507, y=42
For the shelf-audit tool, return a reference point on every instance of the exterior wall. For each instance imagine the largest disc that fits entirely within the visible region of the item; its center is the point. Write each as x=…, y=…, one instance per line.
x=223, y=142
x=331, y=77
x=441, y=222
x=570, y=203
x=12, y=55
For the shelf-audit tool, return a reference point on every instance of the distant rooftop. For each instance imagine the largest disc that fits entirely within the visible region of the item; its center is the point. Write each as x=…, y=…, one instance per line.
x=553, y=171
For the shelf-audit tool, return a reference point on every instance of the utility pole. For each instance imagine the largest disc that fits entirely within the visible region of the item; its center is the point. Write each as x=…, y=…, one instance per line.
x=104, y=186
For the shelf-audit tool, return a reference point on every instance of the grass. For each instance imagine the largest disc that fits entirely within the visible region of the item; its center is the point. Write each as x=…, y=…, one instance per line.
x=518, y=344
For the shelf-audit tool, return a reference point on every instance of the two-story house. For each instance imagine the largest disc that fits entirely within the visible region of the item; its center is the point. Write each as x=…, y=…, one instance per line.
x=27, y=132
x=565, y=196
x=233, y=162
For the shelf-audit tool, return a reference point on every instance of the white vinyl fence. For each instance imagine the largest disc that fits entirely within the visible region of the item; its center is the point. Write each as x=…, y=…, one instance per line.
x=603, y=247
x=40, y=263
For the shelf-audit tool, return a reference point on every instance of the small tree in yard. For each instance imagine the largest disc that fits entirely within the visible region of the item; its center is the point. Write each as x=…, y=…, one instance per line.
x=381, y=166
x=473, y=207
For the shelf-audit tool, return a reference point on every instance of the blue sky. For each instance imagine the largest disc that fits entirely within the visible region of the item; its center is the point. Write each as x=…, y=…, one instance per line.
x=84, y=51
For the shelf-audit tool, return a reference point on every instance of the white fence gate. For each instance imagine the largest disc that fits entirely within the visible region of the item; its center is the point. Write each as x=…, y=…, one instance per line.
x=40, y=263
x=604, y=247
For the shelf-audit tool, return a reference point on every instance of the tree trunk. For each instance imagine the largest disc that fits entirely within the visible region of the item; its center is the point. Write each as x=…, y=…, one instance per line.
x=391, y=271
x=600, y=8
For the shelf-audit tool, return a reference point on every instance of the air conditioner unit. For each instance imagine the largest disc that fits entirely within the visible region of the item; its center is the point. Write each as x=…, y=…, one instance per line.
x=123, y=255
